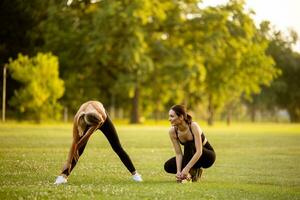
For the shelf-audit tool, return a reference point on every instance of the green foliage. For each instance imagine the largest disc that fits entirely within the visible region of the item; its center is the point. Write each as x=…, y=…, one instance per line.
x=235, y=56
x=178, y=66
x=41, y=85
x=286, y=88
x=144, y=56
x=18, y=22
x=66, y=34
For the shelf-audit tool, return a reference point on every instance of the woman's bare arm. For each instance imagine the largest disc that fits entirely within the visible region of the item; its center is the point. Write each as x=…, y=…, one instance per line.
x=196, y=130
x=177, y=149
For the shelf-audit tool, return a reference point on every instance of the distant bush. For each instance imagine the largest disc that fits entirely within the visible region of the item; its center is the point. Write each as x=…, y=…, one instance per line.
x=41, y=86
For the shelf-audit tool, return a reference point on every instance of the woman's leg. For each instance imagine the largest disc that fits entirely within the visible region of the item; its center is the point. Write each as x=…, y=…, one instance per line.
x=207, y=158
x=189, y=151
x=170, y=166
x=110, y=133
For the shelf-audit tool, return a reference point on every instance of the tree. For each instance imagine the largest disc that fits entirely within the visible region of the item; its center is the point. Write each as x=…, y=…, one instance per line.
x=41, y=86
x=286, y=87
x=19, y=34
x=151, y=54
x=67, y=33
x=178, y=70
x=106, y=48
x=120, y=37
x=235, y=57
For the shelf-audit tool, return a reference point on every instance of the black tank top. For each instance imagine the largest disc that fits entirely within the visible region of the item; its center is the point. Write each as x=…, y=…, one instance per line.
x=202, y=136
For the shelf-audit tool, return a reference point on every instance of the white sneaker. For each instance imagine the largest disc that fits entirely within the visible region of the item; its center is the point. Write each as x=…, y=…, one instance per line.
x=137, y=177
x=60, y=180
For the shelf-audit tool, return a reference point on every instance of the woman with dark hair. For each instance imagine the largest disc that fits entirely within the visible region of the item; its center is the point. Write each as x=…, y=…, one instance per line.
x=90, y=117
x=198, y=153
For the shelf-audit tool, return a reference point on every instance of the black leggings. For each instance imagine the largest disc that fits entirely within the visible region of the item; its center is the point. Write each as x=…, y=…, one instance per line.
x=206, y=160
x=110, y=133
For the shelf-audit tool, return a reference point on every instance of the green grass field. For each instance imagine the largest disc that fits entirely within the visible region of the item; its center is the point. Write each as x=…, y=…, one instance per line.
x=254, y=161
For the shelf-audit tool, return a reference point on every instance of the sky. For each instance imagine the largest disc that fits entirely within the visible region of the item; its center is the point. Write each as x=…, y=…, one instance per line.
x=283, y=14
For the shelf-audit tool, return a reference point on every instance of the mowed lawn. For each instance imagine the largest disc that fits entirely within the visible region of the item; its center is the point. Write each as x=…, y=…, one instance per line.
x=254, y=161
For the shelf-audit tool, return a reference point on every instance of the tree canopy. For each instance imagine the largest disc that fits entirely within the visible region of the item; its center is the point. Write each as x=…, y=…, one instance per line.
x=142, y=56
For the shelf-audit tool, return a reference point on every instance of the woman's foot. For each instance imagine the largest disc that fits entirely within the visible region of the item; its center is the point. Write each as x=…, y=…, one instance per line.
x=60, y=180
x=186, y=179
x=196, y=174
x=137, y=177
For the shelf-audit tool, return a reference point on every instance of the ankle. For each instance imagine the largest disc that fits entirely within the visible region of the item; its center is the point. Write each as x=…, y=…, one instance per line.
x=134, y=173
x=64, y=175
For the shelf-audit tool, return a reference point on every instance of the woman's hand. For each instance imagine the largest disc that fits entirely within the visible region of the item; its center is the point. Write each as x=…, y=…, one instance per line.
x=178, y=176
x=184, y=173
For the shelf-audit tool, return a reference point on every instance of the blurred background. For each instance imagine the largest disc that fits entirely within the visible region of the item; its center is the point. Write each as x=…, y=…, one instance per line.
x=140, y=57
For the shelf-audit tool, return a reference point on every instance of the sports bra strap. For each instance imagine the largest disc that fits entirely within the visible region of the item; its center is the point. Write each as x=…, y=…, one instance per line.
x=190, y=127
x=177, y=135
x=203, y=138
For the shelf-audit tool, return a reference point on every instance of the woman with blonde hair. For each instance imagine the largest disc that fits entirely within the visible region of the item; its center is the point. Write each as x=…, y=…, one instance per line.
x=90, y=117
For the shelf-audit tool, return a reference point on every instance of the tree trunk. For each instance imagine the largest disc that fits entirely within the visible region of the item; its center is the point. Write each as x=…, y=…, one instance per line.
x=294, y=116
x=157, y=111
x=112, y=110
x=210, y=120
x=228, y=117
x=65, y=114
x=253, y=113
x=4, y=93
x=135, y=118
